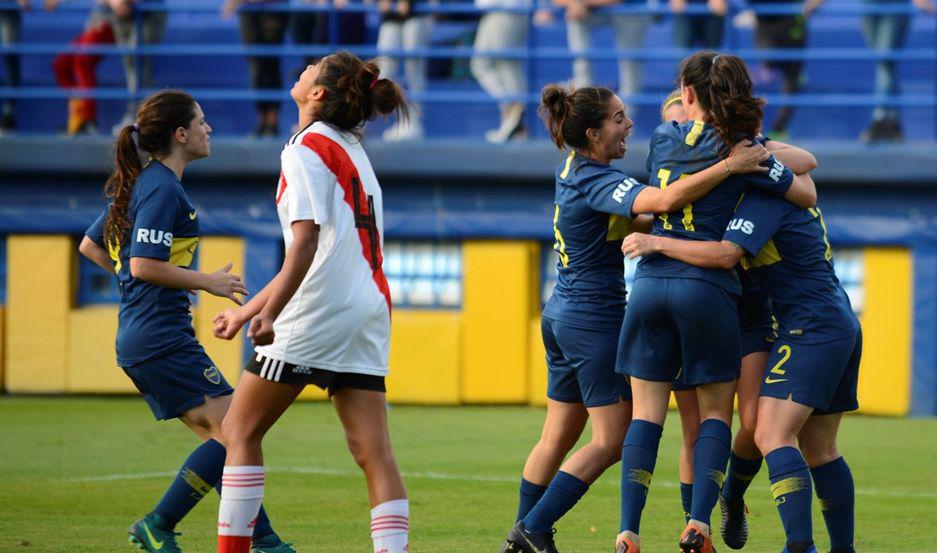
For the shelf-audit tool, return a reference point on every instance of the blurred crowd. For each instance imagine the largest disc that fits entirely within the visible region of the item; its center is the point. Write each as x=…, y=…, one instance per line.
x=501, y=24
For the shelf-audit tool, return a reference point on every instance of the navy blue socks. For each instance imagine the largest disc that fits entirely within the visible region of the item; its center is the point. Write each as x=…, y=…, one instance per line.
x=710, y=457
x=530, y=494
x=790, y=486
x=638, y=457
x=837, y=495
x=686, y=499
x=198, y=475
x=562, y=494
x=739, y=476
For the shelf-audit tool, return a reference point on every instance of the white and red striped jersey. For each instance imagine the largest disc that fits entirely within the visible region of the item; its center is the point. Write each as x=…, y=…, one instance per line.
x=339, y=318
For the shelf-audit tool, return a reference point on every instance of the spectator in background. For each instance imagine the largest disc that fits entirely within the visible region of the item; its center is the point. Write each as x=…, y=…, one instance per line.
x=402, y=29
x=884, y=33
x=310, y=28
x=127, y=32
x=502, y=77
x=78, y=70
x=703, y=31
x=266, y=28
x=630, y=29
x=782, y=31
x=11, y=22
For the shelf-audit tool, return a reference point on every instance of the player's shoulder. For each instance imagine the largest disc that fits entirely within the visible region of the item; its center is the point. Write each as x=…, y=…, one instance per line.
x=157, y=181
x=578, y=170
x=760, y=201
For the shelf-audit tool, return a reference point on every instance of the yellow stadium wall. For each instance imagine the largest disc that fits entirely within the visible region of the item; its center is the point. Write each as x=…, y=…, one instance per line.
x=887, y=324
x=40, y=288
x=489, y=352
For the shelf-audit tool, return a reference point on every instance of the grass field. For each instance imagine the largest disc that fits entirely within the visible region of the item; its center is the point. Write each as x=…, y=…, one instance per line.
x=75, y=472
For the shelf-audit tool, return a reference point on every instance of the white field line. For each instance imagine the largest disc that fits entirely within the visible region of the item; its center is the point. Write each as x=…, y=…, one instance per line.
x=429, y=475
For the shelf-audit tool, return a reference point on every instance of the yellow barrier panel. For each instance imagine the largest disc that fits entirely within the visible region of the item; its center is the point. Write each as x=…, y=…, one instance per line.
x=537, y=374
x=885, y=373
x=40, y=286
x=499, y=299
x=424, y=357
x=214, y=253
x=92, y=360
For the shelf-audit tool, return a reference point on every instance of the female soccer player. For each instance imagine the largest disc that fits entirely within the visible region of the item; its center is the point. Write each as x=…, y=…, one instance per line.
x=758, y=332
x=685, y=319
x=325, y=318
x=815, y=360
x=148, y=236
x=595, y=203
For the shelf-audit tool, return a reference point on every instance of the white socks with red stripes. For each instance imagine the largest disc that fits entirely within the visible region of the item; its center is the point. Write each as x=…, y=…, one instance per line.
x=242, y=491
x=390, y=526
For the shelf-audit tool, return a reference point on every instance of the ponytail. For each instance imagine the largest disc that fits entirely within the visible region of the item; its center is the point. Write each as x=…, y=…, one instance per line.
x=355, y=92
x=119, y=186
x=724, y=90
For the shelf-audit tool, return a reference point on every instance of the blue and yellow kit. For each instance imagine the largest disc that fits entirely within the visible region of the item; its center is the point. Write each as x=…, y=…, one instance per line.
x=155, y=333
x=582, y=318
x=816, y=357
x=682, y=316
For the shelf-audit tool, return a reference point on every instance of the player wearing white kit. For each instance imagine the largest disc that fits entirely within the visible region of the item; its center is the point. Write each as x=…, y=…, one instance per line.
x=325, y=318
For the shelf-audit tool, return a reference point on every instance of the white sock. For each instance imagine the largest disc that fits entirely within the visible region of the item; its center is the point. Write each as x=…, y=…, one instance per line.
x=390, y=526
x=242, y=492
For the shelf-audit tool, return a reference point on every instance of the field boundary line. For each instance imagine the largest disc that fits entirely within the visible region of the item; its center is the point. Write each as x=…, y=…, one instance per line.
x=427, y=475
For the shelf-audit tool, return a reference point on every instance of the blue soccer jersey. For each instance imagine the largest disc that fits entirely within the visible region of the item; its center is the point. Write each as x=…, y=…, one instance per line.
x=677, y=151
x=591, y=217
x=153, y=320
x=790, y=258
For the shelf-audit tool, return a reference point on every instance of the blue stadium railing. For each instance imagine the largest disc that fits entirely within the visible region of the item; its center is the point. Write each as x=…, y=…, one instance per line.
x=529, y=52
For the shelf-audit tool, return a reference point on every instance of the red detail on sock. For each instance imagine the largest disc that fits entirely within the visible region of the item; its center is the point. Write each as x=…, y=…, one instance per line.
x=234, y=544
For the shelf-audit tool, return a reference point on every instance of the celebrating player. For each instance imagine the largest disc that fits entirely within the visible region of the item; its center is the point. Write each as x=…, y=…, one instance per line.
x=815, y=361
x=148, y=235
x=325, y=317
x=758, y=332
x=595, y=204
x=683, y=318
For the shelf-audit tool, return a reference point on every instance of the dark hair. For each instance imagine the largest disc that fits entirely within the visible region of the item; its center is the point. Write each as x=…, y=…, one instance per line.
x=568, y=114
x=355, y=93
x=157, y=120
x=724, y=89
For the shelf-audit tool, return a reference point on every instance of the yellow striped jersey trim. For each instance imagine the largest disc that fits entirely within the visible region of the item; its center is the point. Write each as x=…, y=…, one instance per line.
x=619, y=226
x=182, y=251
x=694, y=133
x=569, y=163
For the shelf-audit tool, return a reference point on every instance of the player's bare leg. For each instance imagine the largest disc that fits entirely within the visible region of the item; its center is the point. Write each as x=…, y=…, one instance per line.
x=562, y=427
x=746, y=458
x=688, y=407
x=364, y=416
x=258, y=403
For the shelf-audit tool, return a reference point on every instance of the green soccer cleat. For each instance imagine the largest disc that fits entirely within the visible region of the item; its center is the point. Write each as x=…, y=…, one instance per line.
x=271, y=544
x=149, y=534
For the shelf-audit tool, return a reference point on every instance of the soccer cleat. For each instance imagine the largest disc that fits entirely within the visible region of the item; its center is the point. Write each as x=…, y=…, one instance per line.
x=696, y=540
x=148, y=534
x=519, y=540
x=811, y=549
x=271, y=544
x=624, y=544
x=734, y=522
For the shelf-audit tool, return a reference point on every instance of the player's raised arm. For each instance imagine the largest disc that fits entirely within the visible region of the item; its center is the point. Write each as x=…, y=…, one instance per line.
x=746, y=157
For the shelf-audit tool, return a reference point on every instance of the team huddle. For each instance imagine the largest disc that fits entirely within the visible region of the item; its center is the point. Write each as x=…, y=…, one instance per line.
x=734, y=296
